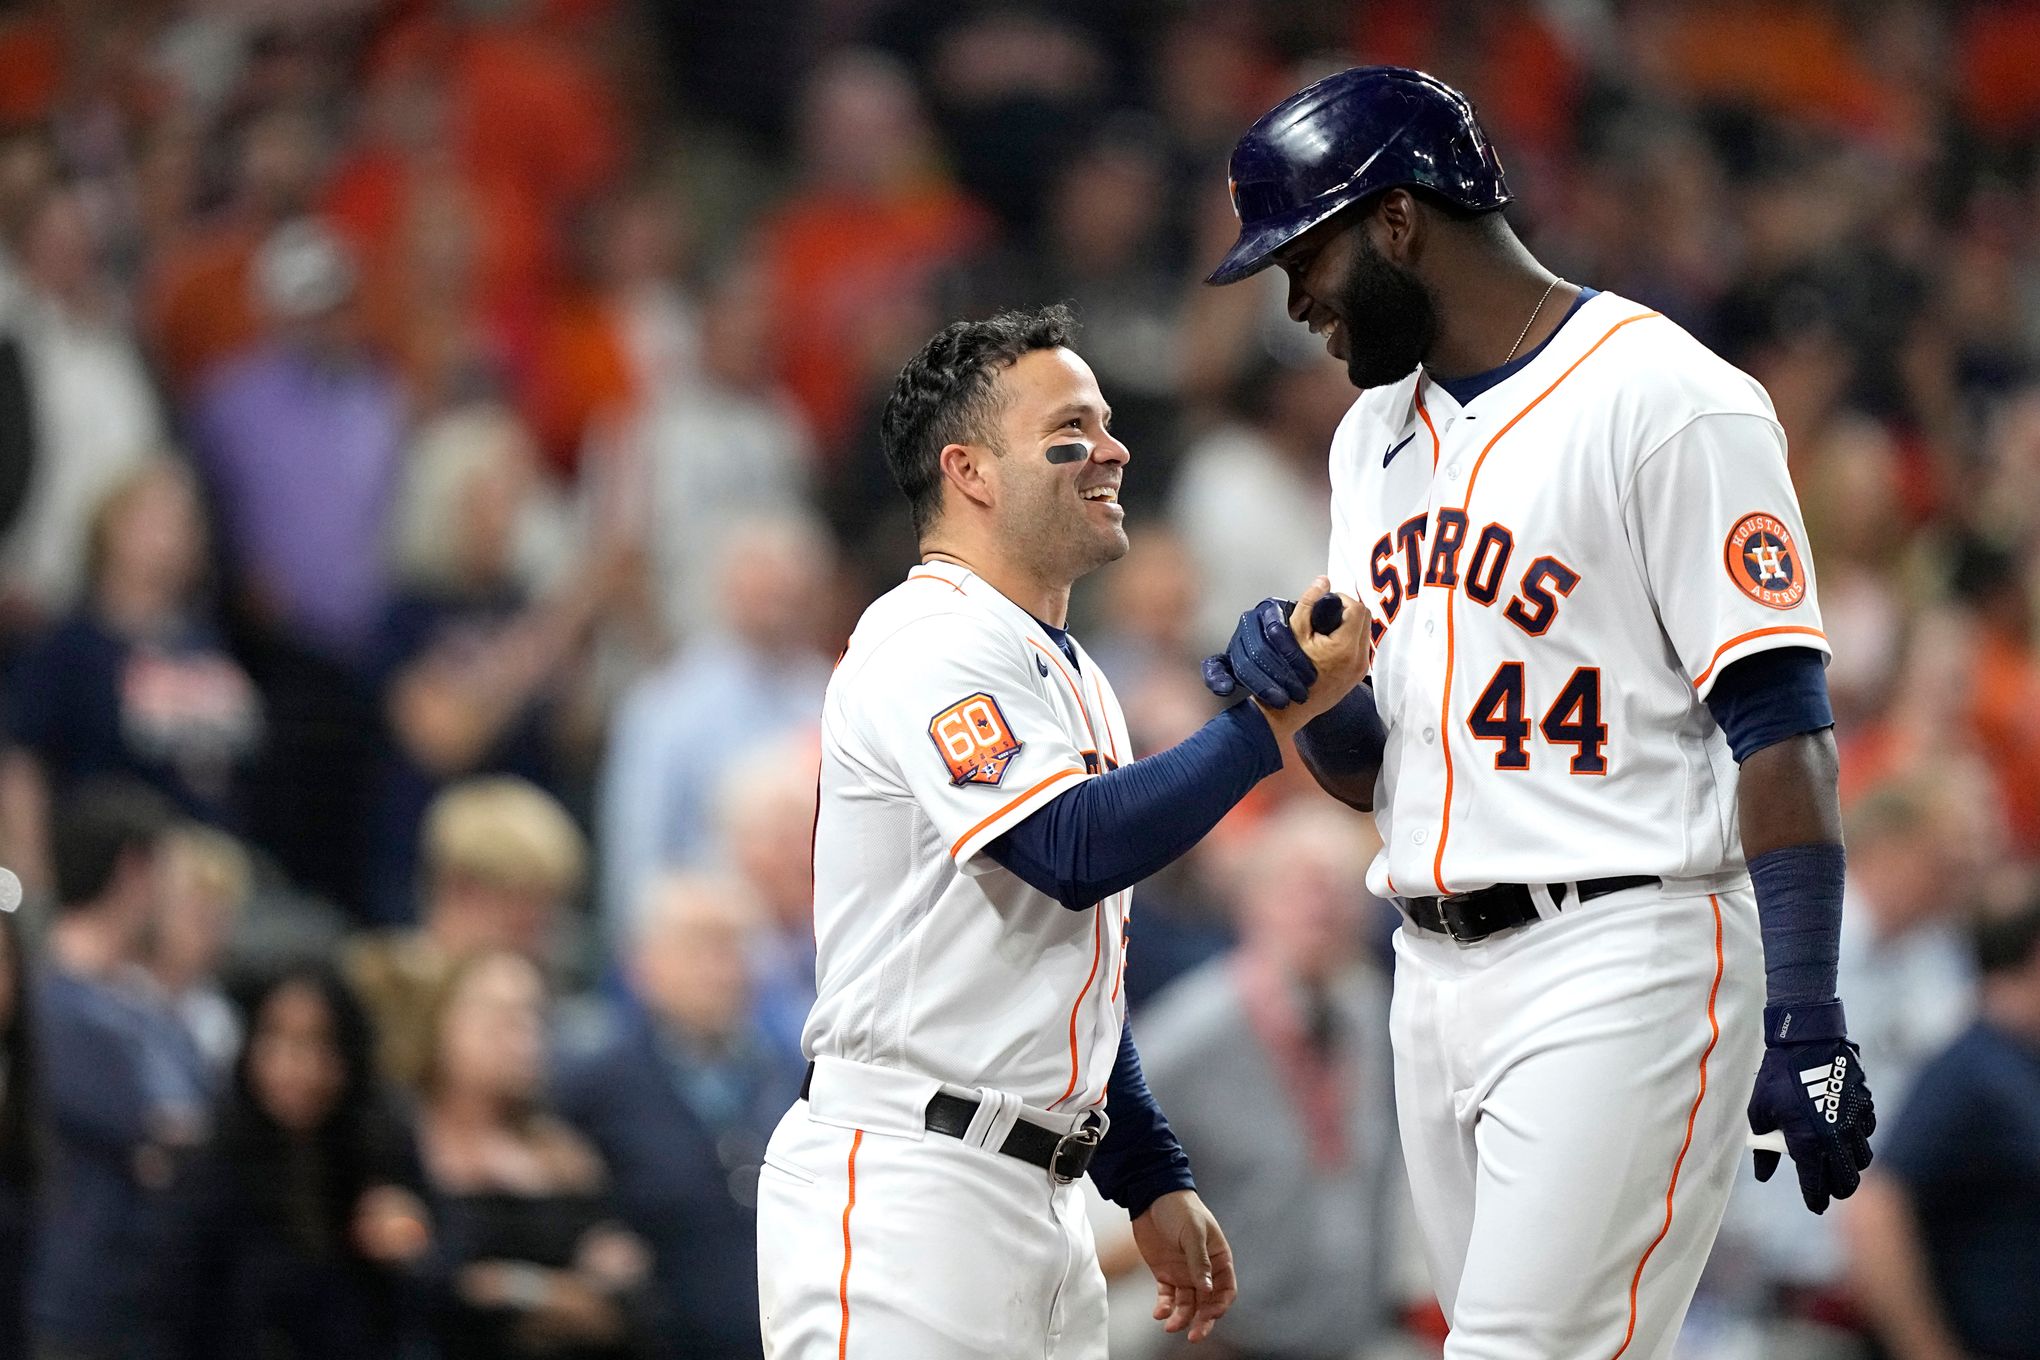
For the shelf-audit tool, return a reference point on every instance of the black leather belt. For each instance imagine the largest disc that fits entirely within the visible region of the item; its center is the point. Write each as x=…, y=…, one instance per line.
x=1475, y=915
x=1064, y=1156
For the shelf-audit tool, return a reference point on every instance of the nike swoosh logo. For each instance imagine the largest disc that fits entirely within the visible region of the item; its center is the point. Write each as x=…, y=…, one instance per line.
x=1389, y=457
x=1041, y=666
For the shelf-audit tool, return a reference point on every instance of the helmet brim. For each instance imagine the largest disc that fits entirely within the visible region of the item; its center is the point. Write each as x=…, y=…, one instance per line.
x=1251, y=253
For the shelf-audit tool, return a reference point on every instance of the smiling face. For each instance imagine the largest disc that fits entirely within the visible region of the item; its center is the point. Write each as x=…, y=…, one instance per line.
x=1063, y=518
x=1376, y=315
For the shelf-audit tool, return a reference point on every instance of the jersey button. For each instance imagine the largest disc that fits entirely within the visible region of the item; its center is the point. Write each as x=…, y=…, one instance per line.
x=1452, y=472
x=1419, y=836
x=1430, y=735
x=1430, y=625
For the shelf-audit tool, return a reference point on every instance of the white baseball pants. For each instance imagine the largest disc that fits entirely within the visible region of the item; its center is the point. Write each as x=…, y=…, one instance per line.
x=1571, y=1095
x=878, y=1240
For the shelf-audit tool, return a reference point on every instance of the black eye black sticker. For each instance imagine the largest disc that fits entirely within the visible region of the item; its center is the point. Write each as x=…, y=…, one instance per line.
x=1068, y=453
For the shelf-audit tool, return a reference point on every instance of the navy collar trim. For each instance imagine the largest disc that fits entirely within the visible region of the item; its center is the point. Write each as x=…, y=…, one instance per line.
x=1464, y=390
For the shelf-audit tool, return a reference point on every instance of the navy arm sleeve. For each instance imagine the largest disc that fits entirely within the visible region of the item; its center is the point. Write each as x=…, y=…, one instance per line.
x=1107, y=834
x=1761, y=700
x=1140, y=1160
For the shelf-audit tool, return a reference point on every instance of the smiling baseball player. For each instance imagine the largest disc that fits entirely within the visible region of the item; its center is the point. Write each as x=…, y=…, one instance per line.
x=980, y=822
x=1592, y=603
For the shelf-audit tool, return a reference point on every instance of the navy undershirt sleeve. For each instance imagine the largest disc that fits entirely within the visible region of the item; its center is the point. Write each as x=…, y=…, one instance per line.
x=1761, y=700
x=1110, y=832
x=1140, y=1159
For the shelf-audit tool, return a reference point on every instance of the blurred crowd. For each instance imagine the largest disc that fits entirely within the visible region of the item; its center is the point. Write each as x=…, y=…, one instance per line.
x=438, y=464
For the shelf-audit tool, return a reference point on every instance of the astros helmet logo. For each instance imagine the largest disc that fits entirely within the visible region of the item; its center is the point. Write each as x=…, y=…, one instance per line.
x=1763, y=561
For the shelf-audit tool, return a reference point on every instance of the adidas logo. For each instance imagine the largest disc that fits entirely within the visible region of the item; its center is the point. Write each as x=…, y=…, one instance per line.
x=1824, y=1086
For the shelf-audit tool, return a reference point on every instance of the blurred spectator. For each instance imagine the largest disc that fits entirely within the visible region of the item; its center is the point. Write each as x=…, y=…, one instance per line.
x=861, y=234
x=21, y=1154
x=1946, y=1229
x=300, y=439
x=473, y=670
x=201, y=300
x=1273, y=1065
x=297, y=1235
x=760, y=674
x=2004, y=705
x=498, y=861
x=1252, y=499
x=91, y=413
x=766, y=792
x=538, y=1266
x=726, y=444
x=680, y=1097
x=136, y=681
x=206, y=880
x=119, y=1116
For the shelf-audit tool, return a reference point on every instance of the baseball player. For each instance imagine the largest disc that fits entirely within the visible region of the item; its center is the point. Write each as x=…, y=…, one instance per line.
x=1596, y=737
x=980, y=822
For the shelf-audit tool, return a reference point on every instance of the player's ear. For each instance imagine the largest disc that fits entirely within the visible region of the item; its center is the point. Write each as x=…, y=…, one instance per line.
x=1400, y=218
x=964, y=467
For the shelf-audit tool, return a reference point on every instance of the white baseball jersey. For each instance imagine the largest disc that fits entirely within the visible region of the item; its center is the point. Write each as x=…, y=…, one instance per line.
x=951, y=718
x=1558, y=572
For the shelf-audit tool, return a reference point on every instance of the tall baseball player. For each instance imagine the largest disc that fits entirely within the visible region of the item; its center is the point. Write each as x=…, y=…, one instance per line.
x=1591, y=604
x=980, y=823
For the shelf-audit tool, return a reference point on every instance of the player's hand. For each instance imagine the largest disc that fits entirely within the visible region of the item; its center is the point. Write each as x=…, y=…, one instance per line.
x=1192, y=1263
x=1810, y=1087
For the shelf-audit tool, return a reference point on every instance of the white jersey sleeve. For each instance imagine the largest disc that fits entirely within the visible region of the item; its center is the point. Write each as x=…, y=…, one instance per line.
x=954, y=716
x=1717, y=533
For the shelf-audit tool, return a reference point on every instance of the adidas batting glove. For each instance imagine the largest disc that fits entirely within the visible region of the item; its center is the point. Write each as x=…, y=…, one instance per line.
x=1810, y=1087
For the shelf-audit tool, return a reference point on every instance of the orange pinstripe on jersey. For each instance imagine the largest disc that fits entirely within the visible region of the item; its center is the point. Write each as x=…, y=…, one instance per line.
x=1097, y=944
x=940, y=580
x=1426, y=415
x=1445, y=706
x=1692, y=1117
x=843, y=1285
x=1740, y=638
x=1009, y=806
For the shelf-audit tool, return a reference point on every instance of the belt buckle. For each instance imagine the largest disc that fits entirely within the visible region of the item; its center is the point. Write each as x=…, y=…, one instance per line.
x=1454, y=920
x=1079, y=1143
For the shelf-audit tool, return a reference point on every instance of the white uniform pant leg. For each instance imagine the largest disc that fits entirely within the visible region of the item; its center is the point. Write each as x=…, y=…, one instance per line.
x=1437, y=1144
x=1612, y=1055
x=943, y=1252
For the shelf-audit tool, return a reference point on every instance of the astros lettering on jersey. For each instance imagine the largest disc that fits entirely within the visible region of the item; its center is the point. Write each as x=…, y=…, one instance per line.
x=1557, y=577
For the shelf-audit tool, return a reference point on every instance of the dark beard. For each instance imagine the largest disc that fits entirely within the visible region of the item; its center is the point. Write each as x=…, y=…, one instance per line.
x=1389, y=317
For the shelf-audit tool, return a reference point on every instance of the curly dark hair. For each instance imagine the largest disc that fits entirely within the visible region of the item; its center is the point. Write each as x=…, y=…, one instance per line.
x=945, y=395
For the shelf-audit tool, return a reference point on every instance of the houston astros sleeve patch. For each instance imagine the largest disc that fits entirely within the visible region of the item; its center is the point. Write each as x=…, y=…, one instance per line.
x=1763, y=561
x=975, y=740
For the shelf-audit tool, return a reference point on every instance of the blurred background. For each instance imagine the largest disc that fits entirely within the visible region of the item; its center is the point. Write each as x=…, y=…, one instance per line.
x=438, y=466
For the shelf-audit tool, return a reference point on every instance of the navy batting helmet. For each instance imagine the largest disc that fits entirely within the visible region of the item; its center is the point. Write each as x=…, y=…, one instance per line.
x=1349, y=135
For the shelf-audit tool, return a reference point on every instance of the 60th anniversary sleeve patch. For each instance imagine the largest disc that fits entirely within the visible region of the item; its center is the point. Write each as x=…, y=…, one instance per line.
x=975, y=740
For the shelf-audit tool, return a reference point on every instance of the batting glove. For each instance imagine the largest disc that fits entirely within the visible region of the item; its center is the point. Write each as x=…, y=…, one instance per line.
x=1811, y=1087
x=1265, y=656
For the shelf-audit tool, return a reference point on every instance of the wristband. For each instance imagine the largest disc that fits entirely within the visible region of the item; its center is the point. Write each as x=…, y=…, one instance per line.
x=1804, y=1024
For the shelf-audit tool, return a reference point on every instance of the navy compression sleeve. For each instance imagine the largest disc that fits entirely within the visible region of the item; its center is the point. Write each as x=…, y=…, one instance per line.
x=1140, y=1159
x=1110, y=832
